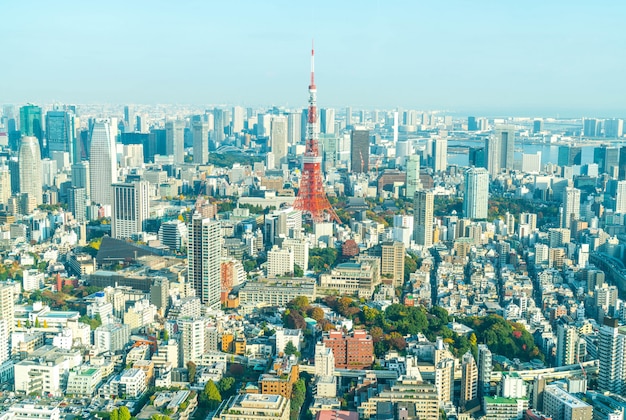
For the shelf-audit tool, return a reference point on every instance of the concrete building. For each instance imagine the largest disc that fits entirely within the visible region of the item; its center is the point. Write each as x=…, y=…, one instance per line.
x=102, y=162
x=612, y=355
x=413, y=183
x=200, y=132
x=175, y=140
x=131, y=209
x=571, y=206
x=204, y=250
x=279, y=262
x=44, y=370
x=192, y=339
x=424, y=212
x=360, y=150
x=469, y=380
x=30, y=169
x=84, y=381
x=561, y=405
x=353, y=278
x=111, y=337
x=440, y=154
x=392, y=263
x=351, y=351
x=476, y=199
x=254, y=407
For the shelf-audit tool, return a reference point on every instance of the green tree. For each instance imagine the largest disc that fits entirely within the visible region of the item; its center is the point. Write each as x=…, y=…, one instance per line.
x=191, y=368
x=298, y=395
x=115, y=414
x=212, y=394
x=299, y=303
x=226, y=386
x=297, y=271
x=124, y=413
x=291, y=349
x=37, y=323
x=166, y=336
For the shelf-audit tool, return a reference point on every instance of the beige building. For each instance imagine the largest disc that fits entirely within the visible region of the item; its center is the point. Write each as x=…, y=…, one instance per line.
x=353, y=278
x=253, y=407
x=421, y=395
x=392, y=263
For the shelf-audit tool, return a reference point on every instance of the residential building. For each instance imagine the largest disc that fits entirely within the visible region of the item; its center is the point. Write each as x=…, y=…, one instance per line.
x=131, y=209
x=351, y=351
x=424, y=212
x=561, y=405
x=476, y=199
x=204, y=250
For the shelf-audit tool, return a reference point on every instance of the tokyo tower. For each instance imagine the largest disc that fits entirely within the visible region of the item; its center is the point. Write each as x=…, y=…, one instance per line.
x=311, y=197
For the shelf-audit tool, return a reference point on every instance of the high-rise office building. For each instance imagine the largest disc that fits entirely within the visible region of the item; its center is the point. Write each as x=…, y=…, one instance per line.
x=5, y=184
x=76, y=203
x=471, y=124
x=424, y=211
x=571, y=206
x=200, y=131
x=620, y=198
x=219, y=123
x=591, y=127
x=348, y=116
x=327, y=121
x=413, y=182
x=614, y=128
x=175, y=140
x=360, y=150
x=131, y=208
x=130, y=118
x=612, y=355
x=569, y=155
x=440, y=154
x=80, y=177
x=30, y=168
x=607, y=158
x=294, y=128
x=506, y=135
x=278, y=139
x=204, y=250
x=537, y=126
x=31, y=124
x=476, y=201
x=238, y=119
x=103, y=162
x=61, y=132
x=621, y=172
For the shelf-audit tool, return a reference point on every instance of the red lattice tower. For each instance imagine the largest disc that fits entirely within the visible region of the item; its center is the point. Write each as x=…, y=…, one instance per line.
x=312, y=197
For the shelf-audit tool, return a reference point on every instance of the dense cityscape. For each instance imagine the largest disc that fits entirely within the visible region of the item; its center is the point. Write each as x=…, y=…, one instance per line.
x=227, y=261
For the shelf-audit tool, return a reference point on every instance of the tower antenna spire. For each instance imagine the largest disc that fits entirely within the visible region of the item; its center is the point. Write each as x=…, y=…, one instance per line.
x=312, y=198
x=312, y=63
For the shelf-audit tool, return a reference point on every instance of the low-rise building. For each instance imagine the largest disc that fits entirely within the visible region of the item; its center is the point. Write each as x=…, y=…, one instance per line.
x=84, y=381
x=254, y=406
x=276, y=292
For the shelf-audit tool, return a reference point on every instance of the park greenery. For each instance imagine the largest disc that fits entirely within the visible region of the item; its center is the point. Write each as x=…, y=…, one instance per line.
x=389, y=328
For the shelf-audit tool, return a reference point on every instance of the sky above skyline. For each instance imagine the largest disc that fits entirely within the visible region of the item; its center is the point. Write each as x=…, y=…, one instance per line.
x=533, y=58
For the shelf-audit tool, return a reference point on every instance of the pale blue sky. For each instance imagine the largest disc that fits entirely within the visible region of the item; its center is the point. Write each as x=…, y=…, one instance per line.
x=481, y=57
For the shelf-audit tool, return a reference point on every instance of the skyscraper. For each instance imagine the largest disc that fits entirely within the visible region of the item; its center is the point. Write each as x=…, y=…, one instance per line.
x=413, y=182
x=360, y=150
x=294, y=127
x=571, y=206
x=569, y=155
x=471, y=124
x=218, y=127
x=200, y=131
x=607, y=159
x=327, y=121
x=484, y=371
x=506, y=134
x=614, y=128
x=537, y=126
x=131, y=208
x=424, y=208
x=5, y=184
x=278, y=139
x=622, y=164
x=30, y=168
x=348, y=116
x=175, y=140
x=192, y=338
x=204, y=257
x=590, y=127
x=567, y=344
x=76, y=200
x=612, y=355
x=102, y=163
x=31, y=124
x=61, y=132
x=238, y=119
x=469, y=379
x=440, y=154
x=620, y=198
x=475, y=204
x=80, y=177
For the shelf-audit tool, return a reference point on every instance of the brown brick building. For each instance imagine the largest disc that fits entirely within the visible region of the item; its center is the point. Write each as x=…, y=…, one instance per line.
x=354, y=351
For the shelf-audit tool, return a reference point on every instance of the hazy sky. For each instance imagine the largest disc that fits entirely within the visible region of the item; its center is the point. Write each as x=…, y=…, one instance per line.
x=545, y=58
